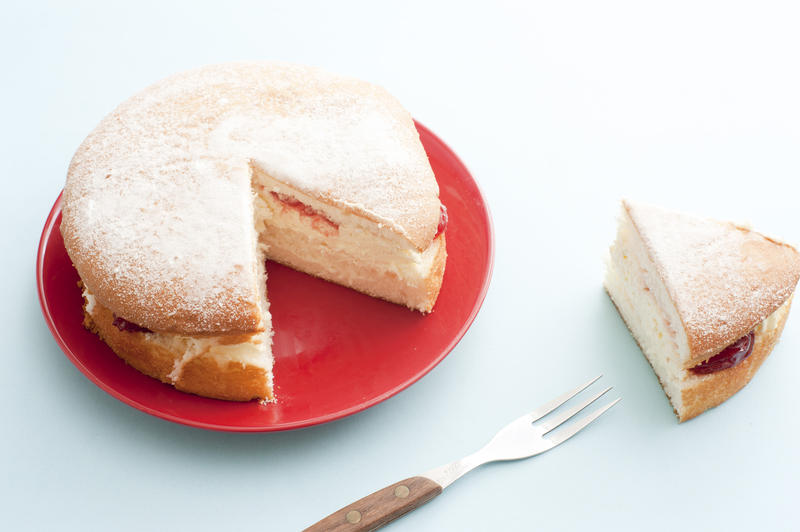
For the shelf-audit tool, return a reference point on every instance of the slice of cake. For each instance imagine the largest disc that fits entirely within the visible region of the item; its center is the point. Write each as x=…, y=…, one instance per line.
x=174, y=202
x=705, y=300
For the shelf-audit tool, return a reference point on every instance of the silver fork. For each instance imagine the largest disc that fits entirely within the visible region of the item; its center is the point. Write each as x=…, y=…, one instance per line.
x=522, y=438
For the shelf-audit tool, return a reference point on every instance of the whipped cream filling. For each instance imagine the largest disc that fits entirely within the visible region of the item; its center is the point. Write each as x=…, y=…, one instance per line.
x=253, y=353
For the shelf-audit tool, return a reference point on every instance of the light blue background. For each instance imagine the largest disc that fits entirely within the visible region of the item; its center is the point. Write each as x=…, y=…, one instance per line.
x=559, y=109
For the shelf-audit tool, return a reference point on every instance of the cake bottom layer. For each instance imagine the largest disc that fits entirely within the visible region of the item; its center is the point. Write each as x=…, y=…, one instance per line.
x=383, y=284
x=232, y=368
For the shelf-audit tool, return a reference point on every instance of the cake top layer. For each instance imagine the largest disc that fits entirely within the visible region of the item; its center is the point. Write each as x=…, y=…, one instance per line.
x=724, y=279
x=157, y=209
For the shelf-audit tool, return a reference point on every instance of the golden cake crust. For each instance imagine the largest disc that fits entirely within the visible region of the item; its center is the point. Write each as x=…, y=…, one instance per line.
x=159, y=312
x=202, y=375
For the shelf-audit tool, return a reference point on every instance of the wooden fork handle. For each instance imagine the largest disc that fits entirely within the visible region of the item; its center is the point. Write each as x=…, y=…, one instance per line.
x=381, y=507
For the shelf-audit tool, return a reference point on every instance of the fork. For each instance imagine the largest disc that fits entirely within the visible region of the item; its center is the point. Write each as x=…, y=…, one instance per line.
x=522, y=438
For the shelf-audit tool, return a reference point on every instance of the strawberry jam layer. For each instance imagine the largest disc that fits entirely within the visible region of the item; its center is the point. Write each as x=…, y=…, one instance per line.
x=728, y=357
x=128, y=326
x=442, y=222
x=319, y=221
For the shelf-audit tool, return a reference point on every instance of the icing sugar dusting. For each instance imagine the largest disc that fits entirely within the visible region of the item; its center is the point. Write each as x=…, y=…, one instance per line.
x=722, y=278
x=158, y=213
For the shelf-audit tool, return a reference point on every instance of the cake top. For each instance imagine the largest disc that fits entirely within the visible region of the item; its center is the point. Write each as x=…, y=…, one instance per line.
x=157, y=208
x=724, y=279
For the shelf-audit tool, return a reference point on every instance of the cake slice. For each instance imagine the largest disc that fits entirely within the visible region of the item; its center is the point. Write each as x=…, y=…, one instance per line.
x=705, y=300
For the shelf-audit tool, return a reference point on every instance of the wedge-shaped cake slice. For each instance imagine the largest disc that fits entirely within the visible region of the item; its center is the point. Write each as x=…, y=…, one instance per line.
x=705, y=300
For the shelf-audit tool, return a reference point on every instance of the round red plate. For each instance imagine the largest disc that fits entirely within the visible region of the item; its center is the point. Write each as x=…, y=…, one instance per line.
x=336, y=351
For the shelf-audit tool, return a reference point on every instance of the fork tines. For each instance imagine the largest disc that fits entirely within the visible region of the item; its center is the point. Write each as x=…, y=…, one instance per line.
x=560, y=418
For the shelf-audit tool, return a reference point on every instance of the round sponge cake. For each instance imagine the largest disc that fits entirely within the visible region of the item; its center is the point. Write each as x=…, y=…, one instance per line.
x=167, y=200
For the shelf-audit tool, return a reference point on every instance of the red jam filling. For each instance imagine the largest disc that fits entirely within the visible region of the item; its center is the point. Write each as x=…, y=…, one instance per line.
x=728, y=357
x=319, y=221
x=127, y=326
x=442, y=222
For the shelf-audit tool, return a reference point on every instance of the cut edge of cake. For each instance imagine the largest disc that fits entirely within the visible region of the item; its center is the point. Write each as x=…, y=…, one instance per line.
x=342, y=246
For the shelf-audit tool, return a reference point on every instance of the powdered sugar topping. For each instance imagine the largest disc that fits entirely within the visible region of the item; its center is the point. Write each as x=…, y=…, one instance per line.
x=158, y=211
x=722, y=278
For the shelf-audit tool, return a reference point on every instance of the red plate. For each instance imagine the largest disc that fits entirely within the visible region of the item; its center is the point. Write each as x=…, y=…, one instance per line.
x=336, y=351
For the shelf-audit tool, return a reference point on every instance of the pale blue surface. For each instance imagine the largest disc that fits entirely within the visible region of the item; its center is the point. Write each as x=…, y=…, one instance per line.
x=559, y=109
